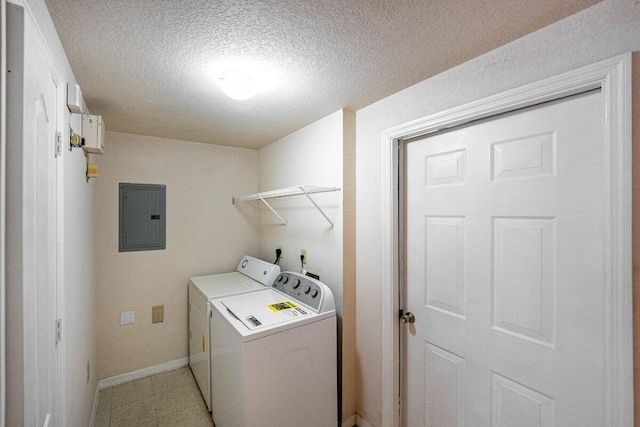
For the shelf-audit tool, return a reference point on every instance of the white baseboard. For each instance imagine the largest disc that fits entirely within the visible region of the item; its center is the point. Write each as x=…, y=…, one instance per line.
x=361, y=422
x=141, y=373
x=355, y=420
x=350, y=421
x=94, y=413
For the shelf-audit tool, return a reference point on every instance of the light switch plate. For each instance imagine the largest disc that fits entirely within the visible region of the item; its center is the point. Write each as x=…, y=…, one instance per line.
x=127, y=317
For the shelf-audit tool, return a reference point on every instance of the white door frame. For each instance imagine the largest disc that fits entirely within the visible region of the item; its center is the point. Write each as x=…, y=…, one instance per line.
x=613, y=77
x=3, y=199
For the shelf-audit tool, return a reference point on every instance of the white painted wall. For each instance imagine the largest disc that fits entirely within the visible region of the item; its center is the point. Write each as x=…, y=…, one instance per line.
x=76, y=273
x=206, y=234
x=603, y=31
x=312, y=155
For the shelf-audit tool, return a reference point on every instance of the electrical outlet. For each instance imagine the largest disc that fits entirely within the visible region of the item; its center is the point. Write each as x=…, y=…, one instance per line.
x=127, y=317
x=157, y=313
x=303, y=252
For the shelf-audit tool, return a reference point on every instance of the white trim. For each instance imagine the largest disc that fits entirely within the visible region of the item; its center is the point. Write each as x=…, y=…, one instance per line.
x=613, y=76
x=361, y=422
x=44, y=46
x=62, y=127
x=3, y=212
x=142, y=373
x=94, y=411
x=349, y=421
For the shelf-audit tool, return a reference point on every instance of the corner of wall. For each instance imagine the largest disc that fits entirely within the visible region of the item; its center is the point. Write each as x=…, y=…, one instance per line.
x=635, y=135
x=350, y=374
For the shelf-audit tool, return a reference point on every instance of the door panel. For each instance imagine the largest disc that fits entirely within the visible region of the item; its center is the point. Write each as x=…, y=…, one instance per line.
x=40, y=209
x=504, y=252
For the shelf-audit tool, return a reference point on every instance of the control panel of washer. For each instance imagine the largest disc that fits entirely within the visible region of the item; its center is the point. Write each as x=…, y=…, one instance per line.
x=303, y=288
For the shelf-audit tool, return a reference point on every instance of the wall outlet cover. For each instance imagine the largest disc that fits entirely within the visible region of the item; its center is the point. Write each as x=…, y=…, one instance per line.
x=157, y=313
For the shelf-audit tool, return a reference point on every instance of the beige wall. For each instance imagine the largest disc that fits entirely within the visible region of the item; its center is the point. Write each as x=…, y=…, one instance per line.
x=313, y=155
x=349, y=372
x=605, y=30
x=636, y=232
x=206, y=234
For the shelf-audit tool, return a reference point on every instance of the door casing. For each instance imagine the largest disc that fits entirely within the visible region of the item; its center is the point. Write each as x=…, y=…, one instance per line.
x=613, y=77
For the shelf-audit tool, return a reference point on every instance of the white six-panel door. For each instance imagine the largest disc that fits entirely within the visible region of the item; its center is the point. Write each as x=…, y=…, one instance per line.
x=41, y=376
x=505, y=270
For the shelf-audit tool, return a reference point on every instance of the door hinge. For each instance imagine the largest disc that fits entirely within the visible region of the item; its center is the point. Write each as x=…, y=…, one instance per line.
x=58, y=144
x=58, y=329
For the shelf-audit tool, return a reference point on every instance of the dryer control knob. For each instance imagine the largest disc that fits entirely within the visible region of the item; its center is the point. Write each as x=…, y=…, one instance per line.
x=295, y=284
x=314, y=293
x=307, y=289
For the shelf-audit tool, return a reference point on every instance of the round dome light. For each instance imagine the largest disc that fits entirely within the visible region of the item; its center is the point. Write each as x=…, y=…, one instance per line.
x=237, y=85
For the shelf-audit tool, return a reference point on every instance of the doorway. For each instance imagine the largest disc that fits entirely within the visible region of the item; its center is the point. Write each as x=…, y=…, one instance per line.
x=612, y=77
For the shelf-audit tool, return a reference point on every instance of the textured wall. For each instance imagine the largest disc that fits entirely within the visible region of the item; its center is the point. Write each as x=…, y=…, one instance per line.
x=636, y=233
x=206, y=234
x=312, y=155
x=603, y=31
x=349, y=371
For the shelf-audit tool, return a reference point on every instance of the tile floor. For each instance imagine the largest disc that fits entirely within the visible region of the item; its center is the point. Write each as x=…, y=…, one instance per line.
x=168, y=399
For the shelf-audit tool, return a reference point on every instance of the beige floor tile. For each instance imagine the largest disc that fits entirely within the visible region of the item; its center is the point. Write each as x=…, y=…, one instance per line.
x=186, y=418
x=153, y=423
x=131, y=392
x=176, y=400
x=169, y=399
x=134, y=414
x=104, y=400
x=170, y=380
x=103, y=419
x=198, y=394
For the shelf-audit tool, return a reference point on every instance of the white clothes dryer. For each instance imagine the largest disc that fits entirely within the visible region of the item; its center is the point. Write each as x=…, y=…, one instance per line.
x=274, y=356
x=252, y=274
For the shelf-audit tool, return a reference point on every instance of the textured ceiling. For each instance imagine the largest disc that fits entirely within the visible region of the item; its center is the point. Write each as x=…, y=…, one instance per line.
x=148, y=66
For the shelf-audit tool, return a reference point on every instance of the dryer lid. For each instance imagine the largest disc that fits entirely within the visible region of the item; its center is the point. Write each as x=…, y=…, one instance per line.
x=266, y=308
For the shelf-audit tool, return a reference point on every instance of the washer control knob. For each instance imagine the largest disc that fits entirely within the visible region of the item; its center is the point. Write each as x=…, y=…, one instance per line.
x=279, y=278
x=307, y=289
x=286, y=279
x=314, y=293
x=295, y=284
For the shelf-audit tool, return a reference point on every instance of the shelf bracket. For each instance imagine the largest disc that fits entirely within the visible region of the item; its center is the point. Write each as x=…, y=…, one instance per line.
x=318, y=207
x=273, y=210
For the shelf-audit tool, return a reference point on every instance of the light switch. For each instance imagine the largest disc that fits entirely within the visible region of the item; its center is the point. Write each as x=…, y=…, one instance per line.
x=127, y=317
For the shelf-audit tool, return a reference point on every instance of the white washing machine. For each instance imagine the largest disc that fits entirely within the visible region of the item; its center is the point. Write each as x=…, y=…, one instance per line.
x=251, y=274
x=274, y=356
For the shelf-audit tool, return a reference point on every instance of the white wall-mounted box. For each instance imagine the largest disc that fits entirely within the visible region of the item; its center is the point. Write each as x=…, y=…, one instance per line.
x=93, y=134
x=74, y=98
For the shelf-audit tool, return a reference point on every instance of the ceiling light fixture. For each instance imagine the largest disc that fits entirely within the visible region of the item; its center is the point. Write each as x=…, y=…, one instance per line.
x=237, y=84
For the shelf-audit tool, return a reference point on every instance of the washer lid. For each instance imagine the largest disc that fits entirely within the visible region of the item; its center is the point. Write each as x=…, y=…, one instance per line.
x=266, y=308
x=222, y=284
